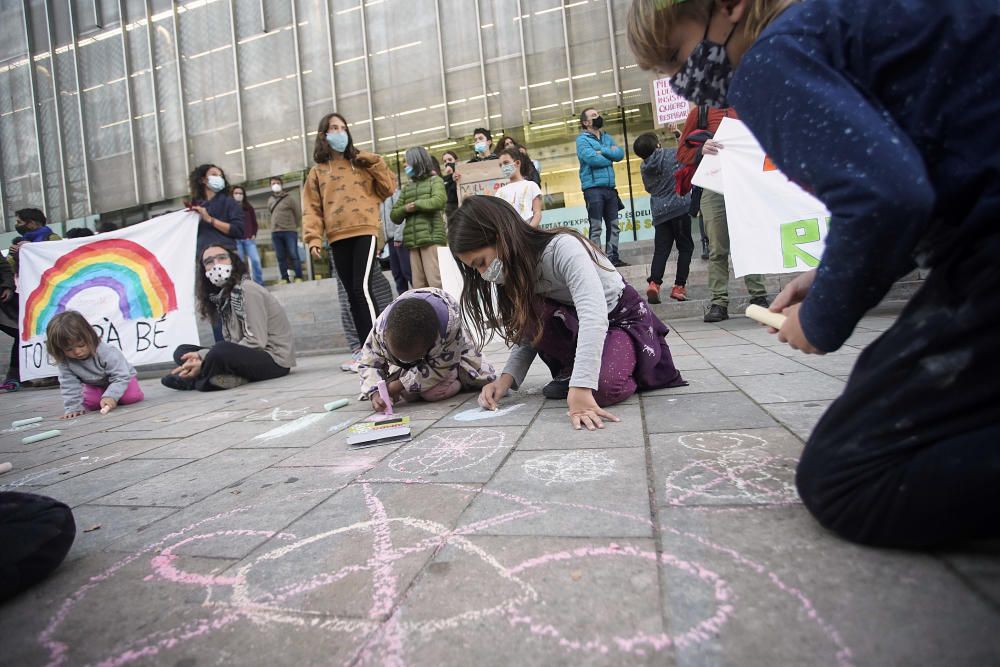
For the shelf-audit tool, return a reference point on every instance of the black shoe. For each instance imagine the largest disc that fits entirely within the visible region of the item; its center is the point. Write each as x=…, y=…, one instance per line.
x=557, y=389
x=759, y=301
x=704, y=250
x=172, y=381
x=717, y=313
x=618, y=263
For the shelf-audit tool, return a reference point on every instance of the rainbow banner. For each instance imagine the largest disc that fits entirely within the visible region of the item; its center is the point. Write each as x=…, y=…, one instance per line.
x=135, y=286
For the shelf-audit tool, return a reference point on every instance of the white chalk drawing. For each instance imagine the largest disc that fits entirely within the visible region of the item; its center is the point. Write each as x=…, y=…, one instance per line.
x=447, y=450
x=291, y=428
x=343, y=424
x=569, y=467
x=278, y=415
x=290, y=582
x=477, y=413
x=41, y=476
x=740, y=470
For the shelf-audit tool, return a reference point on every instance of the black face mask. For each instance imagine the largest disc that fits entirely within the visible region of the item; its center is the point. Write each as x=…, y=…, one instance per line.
x=597, y=123
x=21, y=229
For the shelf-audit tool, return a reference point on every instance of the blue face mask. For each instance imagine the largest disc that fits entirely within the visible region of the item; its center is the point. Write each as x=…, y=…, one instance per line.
x=480, y=146
x=408, y=170
x=507, y=170
x=337, y=140
x=216, y=183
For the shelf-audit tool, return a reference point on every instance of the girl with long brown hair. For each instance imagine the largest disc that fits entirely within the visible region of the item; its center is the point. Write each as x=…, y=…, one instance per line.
x=558, y=297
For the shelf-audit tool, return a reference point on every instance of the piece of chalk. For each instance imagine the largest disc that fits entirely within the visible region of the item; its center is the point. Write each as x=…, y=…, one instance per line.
x=765, y=316
x=25, y=422
x=106, y=409
x=5, y=467
x=38, y=437
x=336, y=405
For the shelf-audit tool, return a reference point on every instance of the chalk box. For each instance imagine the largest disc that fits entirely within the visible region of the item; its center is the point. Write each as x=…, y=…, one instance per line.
x=372, y=434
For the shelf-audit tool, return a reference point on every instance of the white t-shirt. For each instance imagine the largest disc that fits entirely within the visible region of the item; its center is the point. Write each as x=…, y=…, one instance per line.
x=521, y=196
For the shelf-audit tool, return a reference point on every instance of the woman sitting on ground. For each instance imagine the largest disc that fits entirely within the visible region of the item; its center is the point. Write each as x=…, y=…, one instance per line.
x=257, y=338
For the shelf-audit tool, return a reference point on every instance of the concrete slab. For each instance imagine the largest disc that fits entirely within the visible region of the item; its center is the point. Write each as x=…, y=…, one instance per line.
x=108, y=479
x=553, y=430
x=790, y=387
x=700, y=381
x=700, y=412
x=800, y=418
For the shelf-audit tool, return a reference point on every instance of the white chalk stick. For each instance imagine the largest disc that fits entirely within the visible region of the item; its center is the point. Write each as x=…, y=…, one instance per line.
x=25, y=422
x=106, y=409
x=336, y=405
x=765, y=316
x=5, y=467
x=38, y=437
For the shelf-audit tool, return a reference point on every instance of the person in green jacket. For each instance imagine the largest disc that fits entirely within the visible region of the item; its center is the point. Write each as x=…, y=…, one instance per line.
x=419, y=208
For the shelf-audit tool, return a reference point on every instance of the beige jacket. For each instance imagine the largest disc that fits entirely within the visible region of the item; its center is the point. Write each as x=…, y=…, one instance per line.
x=340, y=199
x=284, y=213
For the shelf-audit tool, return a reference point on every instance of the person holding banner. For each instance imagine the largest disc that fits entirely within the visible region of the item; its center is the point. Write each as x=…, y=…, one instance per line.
x=553, y=294
x=257, y=337
x=886, y=111
x=340, y=202
x=221, y=215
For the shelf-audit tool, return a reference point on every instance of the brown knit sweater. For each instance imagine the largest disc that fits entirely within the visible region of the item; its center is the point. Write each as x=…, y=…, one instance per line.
x=340, y=198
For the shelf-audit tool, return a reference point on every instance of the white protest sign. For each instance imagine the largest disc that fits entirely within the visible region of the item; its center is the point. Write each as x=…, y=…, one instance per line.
x=670, y=107
x=135, y=286
x=774, y=225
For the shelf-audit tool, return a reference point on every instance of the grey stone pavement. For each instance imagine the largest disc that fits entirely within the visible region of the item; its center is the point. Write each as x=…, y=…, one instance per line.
x=237, y=528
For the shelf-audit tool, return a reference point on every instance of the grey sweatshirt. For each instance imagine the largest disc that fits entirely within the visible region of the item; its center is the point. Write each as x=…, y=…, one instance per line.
x=254, y=318
x=107, y=367
x=567, y=274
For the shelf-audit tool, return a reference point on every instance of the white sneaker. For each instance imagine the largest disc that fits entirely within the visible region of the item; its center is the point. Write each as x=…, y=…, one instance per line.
x=352, y=365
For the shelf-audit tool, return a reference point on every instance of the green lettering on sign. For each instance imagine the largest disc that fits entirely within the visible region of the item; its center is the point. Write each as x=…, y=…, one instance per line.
x=794, y=234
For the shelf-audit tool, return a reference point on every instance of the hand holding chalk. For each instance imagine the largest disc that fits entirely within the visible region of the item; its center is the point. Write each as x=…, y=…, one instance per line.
x=107, y=405
x=383, y=393
x=765, y=316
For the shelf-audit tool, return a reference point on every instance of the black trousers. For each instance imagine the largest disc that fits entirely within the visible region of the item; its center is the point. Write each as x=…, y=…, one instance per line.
x=36, y=533
x=354, y=259
x=909, y=455
x=231, y=359
x=675, y=230
x=14, y=368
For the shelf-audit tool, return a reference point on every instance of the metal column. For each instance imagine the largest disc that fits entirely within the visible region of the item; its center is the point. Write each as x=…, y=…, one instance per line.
x=79, y=105
x=128, y=101
x=58, y=106
x=333, y=67
x=34, y=100
x=298, y=80
x=614, y=54
x=524, y=60
x=239, y=94
x=444, y=89
x=569, y=69
x=180, y=90
x=156, y=101
x=368, y=75
x=482, y=66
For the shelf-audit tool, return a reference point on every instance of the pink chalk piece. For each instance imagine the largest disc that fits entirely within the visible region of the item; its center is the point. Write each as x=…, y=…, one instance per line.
x=383, y=393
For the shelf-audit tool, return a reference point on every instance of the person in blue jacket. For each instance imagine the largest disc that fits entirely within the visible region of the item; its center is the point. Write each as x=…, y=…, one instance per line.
x=887, y=112
x=597, y=153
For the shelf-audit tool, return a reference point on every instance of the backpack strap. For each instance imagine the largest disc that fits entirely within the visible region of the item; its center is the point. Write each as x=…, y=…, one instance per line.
x=703, y=117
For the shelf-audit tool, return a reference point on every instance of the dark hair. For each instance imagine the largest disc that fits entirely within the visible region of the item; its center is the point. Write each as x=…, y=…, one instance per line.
x=420, y=161
x=583, y=116
x=276, y=178
x=203, y=289
x=244, y=204
x=483, y=221
x=197, y=188
x=79, y=233
x=67, y=329
x=106, y=226
x=512, y=140
x=322, y=151
x=485, y=132
x=451, y=153
x=411, y=328
x=31, y=215
x=645, y=144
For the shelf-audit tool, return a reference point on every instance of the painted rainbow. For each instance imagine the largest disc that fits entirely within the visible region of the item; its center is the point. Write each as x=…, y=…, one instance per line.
x=144, y=289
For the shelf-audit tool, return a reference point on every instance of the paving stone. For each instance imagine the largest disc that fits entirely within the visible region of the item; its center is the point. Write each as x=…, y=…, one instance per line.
x=553, y=430
x=797, y=595
x=760, y=362
x=65, y=460
x=547, y=600
x=470, y=454
x=691, y=363
x=100, y=526
x=800, y=418
x=790, y=387
x=705, y=339
x=700, y=412
x=580, y=492
x=724, y=468
x=334, y=451
x=98, y=483
x=699, y=382
x=192, y=482
x=513, y=411
x=841, y=363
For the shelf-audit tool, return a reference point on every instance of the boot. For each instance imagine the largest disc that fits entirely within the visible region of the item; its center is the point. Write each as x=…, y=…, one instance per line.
x=653, y=292
x=704, y=247
x=717, y=313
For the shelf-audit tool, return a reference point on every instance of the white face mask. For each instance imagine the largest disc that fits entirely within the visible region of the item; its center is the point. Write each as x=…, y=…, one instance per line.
x=275, y=188
x=238, y=197
x=217, y=183
x=494, y=272
x=219, y=274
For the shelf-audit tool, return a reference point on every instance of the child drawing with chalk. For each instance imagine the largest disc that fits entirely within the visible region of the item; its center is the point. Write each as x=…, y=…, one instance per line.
x=886, y=111
x=559, y=298
x=419, y=348
x=92, y=374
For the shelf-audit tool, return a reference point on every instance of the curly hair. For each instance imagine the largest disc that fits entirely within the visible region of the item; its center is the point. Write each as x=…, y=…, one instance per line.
x=196, y=188
x=203, y=288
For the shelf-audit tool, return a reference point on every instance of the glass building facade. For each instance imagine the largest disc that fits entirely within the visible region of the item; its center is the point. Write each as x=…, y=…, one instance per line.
x=106, y=105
